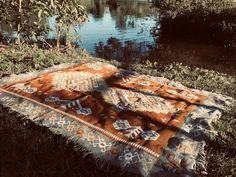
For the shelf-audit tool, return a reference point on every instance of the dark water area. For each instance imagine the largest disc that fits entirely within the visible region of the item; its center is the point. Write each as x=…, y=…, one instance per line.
x=133, y=31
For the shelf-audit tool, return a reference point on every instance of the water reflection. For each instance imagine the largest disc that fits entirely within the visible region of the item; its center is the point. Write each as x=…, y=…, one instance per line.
x=126, y=21
x=128, y=51
x=190, y=53
x=131, y=32
x=118, y=8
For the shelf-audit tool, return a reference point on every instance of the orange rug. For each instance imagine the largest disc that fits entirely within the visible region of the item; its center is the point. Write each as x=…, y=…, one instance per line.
x=147, y=125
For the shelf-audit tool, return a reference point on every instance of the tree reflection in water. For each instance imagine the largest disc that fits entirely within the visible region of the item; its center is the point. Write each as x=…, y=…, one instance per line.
x=169, y=49
x=208, y=43
x=128, y=51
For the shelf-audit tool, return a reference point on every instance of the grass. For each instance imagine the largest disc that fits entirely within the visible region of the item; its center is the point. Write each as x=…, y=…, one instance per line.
x=221, y=151
x=28, y=150
x=15, y=60
x=32, y=151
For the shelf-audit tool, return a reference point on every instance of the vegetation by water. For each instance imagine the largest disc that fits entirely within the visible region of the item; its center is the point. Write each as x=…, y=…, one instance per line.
x=174, y=8
x=210, y=19
x=29, y=18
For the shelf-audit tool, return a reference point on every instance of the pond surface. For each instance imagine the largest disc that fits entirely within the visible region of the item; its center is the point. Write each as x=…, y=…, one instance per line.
x=120, y=31
x=127, y=30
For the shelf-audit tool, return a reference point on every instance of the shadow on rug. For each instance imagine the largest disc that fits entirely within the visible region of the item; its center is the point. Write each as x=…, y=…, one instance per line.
x=131, y=123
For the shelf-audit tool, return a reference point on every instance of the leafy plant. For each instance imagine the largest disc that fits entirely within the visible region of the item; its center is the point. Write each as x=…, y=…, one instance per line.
x=29, y=17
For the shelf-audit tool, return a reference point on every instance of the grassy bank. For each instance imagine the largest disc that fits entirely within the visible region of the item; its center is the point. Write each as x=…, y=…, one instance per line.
x=15, y=59
x=34, y=151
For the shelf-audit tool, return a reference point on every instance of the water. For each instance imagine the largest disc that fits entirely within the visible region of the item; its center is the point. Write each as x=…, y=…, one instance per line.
x=131, y=31
x=121, y=32
x=108, y=34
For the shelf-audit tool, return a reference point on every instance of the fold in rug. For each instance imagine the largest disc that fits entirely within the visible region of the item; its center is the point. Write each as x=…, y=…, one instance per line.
x=149, y=126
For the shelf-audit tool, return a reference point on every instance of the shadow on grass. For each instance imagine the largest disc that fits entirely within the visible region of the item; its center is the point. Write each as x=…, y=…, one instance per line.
x=28, y=150
x=221, y=150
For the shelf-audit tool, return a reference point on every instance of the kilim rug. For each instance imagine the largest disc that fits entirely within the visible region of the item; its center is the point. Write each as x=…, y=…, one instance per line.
x=145, y=125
